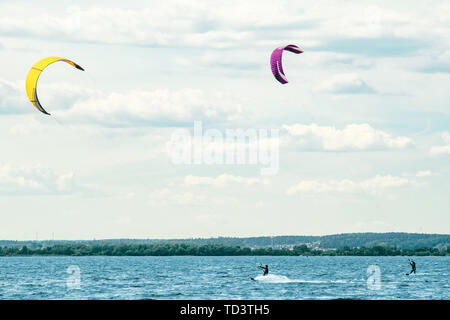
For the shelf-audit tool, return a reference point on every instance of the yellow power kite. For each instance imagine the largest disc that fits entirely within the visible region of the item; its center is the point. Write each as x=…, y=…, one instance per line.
x=33, y=76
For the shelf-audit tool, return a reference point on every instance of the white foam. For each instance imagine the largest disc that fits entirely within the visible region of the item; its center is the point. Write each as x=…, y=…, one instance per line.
x=273, y=278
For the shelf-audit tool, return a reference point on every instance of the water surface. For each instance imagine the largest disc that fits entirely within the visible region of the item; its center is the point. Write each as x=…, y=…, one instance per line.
x=222, y=278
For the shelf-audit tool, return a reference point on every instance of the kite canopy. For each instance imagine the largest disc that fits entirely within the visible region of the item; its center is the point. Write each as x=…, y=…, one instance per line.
x=275, y=61
x=33, y=76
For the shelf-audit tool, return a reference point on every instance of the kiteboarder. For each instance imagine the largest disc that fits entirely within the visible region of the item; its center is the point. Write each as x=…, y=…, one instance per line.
x=413, y=266
x=265, y=269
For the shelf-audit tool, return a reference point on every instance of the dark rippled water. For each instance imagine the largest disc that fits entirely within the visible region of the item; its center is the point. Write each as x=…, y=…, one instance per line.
x=222, y=278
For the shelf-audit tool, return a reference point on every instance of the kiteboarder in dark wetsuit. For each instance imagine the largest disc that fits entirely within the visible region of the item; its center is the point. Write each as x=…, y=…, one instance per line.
x=413, y=266
x=265, y=270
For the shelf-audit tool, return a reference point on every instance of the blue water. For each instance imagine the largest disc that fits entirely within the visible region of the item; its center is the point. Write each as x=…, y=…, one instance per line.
x=222, y=278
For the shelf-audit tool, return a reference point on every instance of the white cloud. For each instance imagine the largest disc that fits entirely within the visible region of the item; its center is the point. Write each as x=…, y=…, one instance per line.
x=37, y=180
x=228, y=24
x=164, y=24
x=337, y=60
x=443, y=149
x=13, y=98
x=375, y=185
x=424, y=173
x=223, y=180
x=210, y=219
x=166, y=196
x=437, y=62
x=152, y=108
x=135, y=108
x=354, y=137
x=26, y=127
x=54, y=96
x=223, y=63
x=446, y=137
x=345, y=84
x=440, y=150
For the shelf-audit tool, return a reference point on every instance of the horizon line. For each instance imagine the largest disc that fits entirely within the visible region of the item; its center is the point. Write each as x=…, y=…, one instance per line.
x=233, y=237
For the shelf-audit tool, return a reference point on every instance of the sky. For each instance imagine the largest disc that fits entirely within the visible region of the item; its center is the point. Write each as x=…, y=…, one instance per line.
x=360, y=135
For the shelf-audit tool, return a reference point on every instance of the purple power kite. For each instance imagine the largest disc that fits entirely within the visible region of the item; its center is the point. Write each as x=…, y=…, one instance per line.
x=275, y=61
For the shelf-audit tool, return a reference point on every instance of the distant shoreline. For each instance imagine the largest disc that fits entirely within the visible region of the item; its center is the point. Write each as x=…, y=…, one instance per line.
x=183, y=249
x=346, y=244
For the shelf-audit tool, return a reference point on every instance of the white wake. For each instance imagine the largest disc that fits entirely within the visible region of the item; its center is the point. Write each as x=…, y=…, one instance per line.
x=273, y=278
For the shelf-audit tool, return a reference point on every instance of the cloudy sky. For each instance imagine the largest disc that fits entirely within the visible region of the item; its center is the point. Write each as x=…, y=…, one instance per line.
x=364, y=123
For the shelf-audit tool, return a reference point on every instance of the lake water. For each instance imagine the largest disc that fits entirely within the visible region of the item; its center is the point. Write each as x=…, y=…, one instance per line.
x=223, y=278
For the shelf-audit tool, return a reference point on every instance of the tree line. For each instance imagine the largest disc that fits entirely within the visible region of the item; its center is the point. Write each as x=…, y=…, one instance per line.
x=393, y=239
x=183, y=249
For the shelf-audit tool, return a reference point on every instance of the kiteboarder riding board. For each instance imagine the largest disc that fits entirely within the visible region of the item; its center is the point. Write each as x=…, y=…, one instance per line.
x=413, y=267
